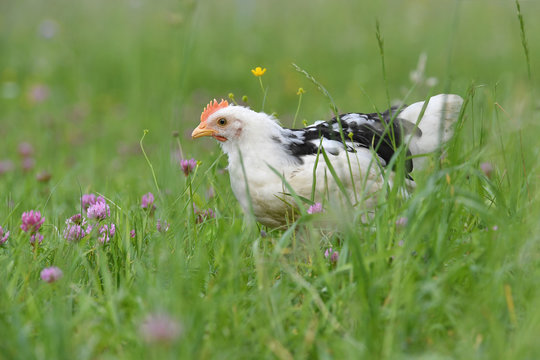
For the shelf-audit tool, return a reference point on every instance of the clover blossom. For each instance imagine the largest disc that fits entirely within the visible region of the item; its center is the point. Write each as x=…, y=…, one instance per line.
x=74, y=232
x=487, y=169
x=315, y=208
x=75, y=228
x=147, y=202
x=43, y=176
x=332, y=255
x=402, y=222
x=188, y=166
x=99, y=210
x=51, y=274
x=88, y=200
x=37, y=236
x=28, y=164
x=4, y=235
x=162, y=227
x=106, y=232
x=202, y=215
x=160, y=328
x=5, y=166
x=77, y=219
x=32, y=221
x=25, y=149
x=38, y=93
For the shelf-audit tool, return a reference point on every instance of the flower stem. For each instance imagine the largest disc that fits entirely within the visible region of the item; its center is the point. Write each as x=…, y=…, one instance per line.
x=264, y=93
x=297, y=109
x=148, y=161
x=180, y=149
x=191, y=204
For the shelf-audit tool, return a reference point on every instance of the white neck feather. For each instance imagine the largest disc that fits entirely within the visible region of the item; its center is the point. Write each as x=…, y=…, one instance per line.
x=257, y=144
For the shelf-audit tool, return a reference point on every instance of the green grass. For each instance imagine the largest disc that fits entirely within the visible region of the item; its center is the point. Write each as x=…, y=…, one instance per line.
x=460, y=280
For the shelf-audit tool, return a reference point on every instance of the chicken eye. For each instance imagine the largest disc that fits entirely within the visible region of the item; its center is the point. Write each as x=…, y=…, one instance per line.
x=222, y=121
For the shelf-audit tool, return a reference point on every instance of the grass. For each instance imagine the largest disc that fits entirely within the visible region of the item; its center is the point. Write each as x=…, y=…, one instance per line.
x=460, y=280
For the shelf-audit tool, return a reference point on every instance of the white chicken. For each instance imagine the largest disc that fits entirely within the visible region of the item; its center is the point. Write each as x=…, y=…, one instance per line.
x=258, y=147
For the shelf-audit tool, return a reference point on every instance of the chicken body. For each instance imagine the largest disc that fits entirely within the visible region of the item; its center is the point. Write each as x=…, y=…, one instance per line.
x=258, y=147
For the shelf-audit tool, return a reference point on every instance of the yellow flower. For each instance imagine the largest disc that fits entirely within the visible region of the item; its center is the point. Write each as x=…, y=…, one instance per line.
x=258, y=71
x=300, y=91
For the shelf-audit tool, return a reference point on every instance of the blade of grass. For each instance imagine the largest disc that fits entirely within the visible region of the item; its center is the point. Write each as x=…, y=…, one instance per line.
x=523, y=38
x=334, y=108
x=380, y=43
x=149, y=163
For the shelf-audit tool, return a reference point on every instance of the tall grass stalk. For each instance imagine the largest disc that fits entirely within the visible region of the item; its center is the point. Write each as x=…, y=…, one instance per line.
x=523, y=38
x=380, y=43
x=334, y=109
x=149, y=163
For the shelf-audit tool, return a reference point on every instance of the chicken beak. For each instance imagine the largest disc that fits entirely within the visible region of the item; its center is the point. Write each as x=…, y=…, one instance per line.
x=201, y=131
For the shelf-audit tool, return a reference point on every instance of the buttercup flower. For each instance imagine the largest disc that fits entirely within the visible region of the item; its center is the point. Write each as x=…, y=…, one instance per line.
x=315, y=208
x=188, y=166
x=258, y=71
x=160, y=328
x=4, y=235
x=51, y=274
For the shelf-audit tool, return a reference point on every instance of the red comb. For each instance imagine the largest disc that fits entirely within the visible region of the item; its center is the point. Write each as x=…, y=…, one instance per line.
x=213, y=107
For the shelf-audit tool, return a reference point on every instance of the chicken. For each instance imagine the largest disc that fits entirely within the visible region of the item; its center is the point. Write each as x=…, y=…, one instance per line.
x=259, y=149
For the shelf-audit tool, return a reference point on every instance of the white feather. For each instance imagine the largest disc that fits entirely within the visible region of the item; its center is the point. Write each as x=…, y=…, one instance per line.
x=436, y=125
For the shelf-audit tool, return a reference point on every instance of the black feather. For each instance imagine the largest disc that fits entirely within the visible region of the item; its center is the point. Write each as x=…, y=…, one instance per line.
x=368, y=131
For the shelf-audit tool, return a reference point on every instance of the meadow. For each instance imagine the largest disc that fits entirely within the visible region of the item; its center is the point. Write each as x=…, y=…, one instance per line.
x=97, y=103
